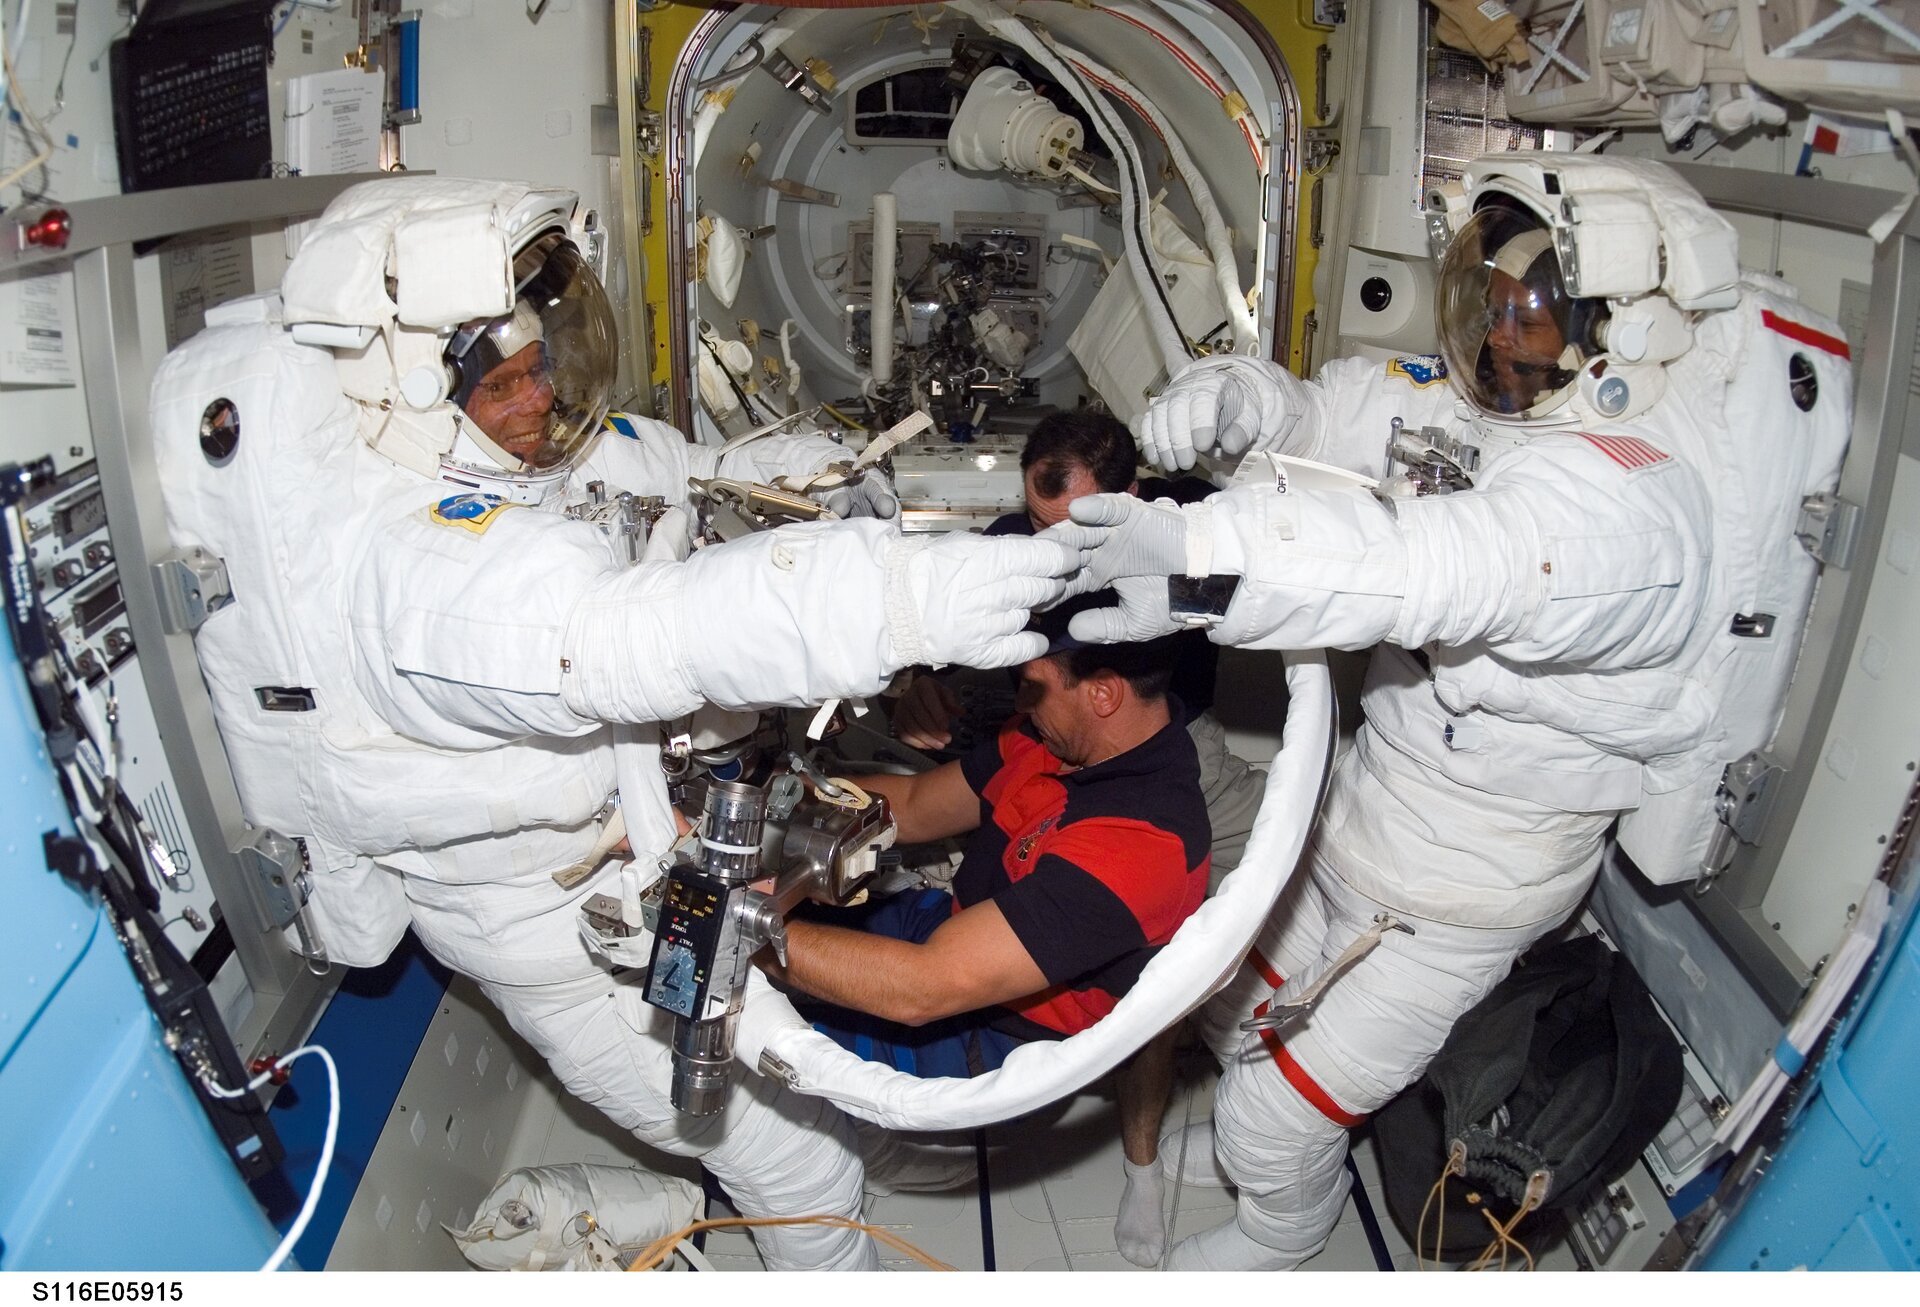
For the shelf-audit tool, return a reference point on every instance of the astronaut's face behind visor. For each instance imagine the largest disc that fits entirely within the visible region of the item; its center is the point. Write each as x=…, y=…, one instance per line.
x=1514, y=339
x=1521, y=359
x=513, y=403
x=534, y=382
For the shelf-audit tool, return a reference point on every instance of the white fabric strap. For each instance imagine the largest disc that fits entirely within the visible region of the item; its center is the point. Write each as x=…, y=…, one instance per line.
x=893, y=437
x=611, y=834
x=1199, y=539
x=903, y=611
x=1283, y=1014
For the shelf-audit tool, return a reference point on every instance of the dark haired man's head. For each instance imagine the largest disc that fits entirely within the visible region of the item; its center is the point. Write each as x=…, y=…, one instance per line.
x=1088, y=702
x=1074, y=454
x=1147, y=667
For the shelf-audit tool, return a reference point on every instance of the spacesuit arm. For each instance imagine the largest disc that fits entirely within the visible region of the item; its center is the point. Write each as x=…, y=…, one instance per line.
x=1231, y=404
x=1560, y=555
x=781, y=454
x=525, y=628
x=803, y=614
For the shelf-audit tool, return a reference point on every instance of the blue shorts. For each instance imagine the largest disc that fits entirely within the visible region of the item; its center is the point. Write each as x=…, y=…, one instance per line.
x=959, y=1046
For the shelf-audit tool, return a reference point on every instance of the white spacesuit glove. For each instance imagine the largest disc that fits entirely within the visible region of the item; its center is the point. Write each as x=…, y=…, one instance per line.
x=1117, y=536
x=1143, y=613
x=869, y=496
x=971, y=596
x=1228, y=402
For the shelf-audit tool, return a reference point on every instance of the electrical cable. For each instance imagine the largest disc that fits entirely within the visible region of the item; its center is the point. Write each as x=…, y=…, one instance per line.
x=1139, y=214
x=660, y=1249
x=1456, y=1165
x=27, y=119
x=729, y=73
x=299, y=1226
x=746, y=400
x=1191, y=62
x=846, y=421
x=10, y=41
x=1226, y=272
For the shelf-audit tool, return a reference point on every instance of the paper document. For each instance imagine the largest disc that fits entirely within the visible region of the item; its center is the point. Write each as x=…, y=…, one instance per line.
x=333, y=122
x=36, y=330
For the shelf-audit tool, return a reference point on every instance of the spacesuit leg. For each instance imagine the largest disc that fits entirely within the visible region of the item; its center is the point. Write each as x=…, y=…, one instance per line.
x=777, y=1154
x=1289, y=942
x=1288, y=1099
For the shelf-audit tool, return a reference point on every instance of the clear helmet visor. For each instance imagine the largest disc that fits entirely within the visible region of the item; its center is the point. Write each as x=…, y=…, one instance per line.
x=1514, y=340
x=534, y=383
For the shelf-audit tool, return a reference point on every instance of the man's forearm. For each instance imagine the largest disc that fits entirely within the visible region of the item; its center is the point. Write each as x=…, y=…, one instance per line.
x=868, y=973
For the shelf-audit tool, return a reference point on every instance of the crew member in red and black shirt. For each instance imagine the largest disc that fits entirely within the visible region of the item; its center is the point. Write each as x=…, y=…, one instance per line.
x=1089, y=848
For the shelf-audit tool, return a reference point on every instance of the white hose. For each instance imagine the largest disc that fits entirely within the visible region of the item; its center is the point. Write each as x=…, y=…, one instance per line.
x=1226, y=271
x=1202, y=956
x=300, y=1222
x=791, y=365
x=886, y=252
x=1166, y=332
x=1198, y=61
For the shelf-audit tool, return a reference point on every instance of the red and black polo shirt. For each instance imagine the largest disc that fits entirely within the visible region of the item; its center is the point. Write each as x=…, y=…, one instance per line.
x=1094, y=869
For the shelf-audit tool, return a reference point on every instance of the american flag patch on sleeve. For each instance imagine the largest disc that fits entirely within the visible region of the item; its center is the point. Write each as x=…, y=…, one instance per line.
x=1628, y=451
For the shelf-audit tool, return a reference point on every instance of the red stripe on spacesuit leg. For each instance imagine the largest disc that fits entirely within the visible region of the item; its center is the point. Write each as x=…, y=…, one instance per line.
x=1296, y=1075
x=1805, y=335
x=1265, y=968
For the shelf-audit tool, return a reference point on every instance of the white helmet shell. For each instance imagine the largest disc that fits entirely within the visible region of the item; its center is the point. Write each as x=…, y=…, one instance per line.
x=443, y=280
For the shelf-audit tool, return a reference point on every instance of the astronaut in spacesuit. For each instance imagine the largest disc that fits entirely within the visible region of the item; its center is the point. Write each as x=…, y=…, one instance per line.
x=446, y=688
x=1580, y=568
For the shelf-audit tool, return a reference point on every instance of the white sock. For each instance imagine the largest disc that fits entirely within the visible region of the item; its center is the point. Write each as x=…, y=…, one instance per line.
x=1140, y=1231
x=1198, y=1168
x=1227, y=1248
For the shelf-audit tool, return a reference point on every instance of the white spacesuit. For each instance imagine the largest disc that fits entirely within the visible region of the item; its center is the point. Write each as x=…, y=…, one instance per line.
x=442, y=685
x=1582, y=576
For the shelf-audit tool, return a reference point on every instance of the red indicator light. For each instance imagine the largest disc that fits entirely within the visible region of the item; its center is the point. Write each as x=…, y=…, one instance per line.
x=49, y=231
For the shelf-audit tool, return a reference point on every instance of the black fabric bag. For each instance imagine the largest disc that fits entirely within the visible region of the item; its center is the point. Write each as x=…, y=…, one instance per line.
x=1565, y=1068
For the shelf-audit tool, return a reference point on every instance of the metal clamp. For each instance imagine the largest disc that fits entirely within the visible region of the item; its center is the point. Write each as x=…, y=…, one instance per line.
x=1743, y=803
x=799, y=80
x=279, y=866
x=192, y=585
x=1434, y=462
x=1829, y=528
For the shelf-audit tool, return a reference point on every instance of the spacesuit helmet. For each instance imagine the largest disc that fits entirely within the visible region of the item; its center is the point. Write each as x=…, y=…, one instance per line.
x=532, y=384
x=468, y=326
x=1513, y=338
x=1568, y=282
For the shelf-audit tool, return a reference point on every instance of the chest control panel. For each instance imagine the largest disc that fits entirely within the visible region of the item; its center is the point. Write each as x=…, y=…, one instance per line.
x=693, y=919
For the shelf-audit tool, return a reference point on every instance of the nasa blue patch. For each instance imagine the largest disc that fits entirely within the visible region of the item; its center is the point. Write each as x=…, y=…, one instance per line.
x=1419, y=369
x=473, y=513
x=621, y=424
